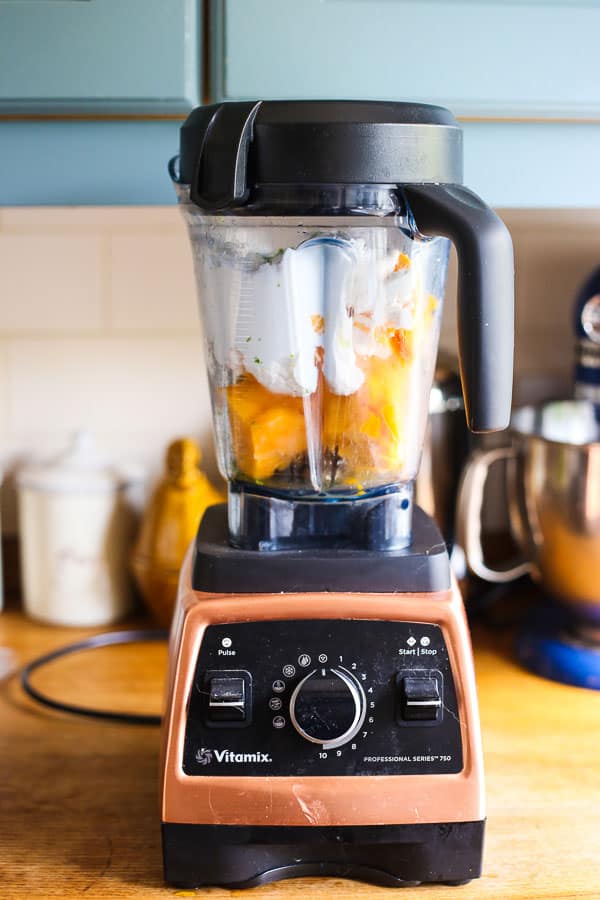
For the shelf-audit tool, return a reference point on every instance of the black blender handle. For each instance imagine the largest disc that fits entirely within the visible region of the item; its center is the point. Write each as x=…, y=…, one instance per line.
x=485, y=295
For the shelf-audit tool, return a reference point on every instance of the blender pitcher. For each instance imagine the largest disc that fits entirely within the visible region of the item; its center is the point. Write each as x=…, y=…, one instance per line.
x=321, y=289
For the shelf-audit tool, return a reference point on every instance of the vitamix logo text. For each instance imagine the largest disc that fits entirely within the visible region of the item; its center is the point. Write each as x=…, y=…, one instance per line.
x=205, y=757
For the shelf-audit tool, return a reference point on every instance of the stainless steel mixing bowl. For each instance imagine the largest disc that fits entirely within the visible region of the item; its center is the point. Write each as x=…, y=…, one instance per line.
x=553, y=493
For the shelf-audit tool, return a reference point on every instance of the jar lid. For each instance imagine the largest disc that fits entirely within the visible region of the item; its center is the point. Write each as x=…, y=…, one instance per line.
x=78, y=469
x=227, y=148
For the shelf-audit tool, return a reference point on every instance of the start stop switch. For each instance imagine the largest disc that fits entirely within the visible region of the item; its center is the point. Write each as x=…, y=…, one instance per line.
x=419, y=697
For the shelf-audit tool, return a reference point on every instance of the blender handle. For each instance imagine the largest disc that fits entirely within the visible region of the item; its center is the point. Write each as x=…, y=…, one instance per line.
x=468, y=517
x=485, y=295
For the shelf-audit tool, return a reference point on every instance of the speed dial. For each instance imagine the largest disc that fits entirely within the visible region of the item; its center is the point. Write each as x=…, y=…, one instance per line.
x=328, y=707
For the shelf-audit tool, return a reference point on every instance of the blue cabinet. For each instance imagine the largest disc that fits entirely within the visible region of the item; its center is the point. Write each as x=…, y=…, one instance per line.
x=522, y=75
x=95, y=57
x=510, y=58
x=92, y=93
x=86, y=163
x=116, y=77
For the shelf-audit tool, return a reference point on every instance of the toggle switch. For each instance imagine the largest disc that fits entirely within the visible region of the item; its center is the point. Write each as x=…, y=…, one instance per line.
x=228, y=698
x=420, y=697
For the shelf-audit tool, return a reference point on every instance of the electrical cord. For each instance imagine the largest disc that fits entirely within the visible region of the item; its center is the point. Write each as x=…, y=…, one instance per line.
x=107, y=639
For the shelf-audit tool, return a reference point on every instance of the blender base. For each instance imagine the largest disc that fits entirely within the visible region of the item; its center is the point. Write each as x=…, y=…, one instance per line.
x=386, y=855
x=394, y=799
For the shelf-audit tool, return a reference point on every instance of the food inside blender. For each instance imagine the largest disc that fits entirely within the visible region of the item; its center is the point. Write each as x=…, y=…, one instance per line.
x=333, y=355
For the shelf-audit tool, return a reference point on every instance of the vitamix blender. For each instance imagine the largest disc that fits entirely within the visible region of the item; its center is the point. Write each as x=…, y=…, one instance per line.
x=322, y=716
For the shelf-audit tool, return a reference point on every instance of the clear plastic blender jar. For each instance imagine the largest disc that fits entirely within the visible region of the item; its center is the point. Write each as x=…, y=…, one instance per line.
x=321, y=306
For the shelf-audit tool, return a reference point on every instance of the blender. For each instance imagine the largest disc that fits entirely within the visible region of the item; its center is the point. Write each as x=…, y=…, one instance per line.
x=321, y=709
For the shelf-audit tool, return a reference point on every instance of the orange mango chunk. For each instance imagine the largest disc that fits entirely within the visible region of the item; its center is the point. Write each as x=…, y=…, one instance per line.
x=276, y=437
x=245, y=402
x=318, y=324
x=367, y=428
x=403, y=262
x=372, y=426
x=267, y=429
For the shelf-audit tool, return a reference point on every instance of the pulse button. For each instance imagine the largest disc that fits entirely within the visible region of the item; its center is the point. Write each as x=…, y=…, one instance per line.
x=420, y=699
x=228, y=699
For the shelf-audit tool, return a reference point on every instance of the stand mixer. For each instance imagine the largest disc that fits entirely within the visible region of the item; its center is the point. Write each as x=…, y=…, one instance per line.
x=321, y=709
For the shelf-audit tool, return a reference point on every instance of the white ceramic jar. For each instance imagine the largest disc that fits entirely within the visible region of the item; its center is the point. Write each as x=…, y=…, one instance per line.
x=77, y=523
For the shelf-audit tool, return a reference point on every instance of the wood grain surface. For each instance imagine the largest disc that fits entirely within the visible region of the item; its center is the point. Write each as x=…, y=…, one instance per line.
x=79, y=803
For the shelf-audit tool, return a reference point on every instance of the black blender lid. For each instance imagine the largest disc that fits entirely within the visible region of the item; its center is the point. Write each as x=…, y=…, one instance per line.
x=227, y=148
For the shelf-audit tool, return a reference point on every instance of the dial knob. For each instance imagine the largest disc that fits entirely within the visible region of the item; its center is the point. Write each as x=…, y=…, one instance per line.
x=328, y=707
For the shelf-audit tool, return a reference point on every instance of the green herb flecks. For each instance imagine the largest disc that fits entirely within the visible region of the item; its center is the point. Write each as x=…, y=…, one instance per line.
x=269, y=259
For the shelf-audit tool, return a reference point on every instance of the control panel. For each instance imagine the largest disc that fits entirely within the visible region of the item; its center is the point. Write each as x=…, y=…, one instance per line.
x=323, y=697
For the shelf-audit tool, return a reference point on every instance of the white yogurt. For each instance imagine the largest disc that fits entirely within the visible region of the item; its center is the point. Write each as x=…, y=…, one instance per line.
x=320, y=301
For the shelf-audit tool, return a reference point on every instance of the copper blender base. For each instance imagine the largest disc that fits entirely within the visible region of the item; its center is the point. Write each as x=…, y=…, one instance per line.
x=388, y=829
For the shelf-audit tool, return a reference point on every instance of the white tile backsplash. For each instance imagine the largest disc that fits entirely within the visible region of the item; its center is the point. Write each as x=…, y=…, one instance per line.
x=140, y=386
x=93, y=217
x=152, y=283
x=49, y=282
x=99, y=327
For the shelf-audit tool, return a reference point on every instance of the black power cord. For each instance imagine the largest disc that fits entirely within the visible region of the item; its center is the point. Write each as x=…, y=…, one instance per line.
x=107, y=639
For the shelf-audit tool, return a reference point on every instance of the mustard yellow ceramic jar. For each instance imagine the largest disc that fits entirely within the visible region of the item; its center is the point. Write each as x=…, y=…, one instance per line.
x=169, y=525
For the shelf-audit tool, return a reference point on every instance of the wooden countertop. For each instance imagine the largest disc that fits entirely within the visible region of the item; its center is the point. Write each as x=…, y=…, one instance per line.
x=78, y=798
